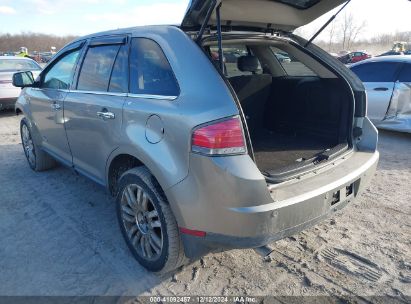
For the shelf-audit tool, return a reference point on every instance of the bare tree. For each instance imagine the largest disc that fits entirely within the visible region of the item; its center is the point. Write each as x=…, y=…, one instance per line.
x=350, y=29
x=331, y=35
x=33, y=41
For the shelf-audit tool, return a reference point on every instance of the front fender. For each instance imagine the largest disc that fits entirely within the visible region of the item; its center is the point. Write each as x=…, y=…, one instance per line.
x=23, y=106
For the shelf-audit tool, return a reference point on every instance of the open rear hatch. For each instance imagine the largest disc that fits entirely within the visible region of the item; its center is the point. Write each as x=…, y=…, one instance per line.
x=257, y=15
x=296, y=124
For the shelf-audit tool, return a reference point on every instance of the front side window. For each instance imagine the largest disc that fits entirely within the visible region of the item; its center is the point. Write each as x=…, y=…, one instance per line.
x=96, y=69
x=60, y=75
x=150, y=72
x=291, y=65
x=376, y=71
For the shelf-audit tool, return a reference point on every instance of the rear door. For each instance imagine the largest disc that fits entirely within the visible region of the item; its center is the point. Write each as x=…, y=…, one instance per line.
x=401, y=100
x=379, y=81
x=46, y=102
x=93, y=112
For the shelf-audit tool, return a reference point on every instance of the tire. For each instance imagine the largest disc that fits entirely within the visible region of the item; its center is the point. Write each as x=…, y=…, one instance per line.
x=147, y=222
x=38, y=159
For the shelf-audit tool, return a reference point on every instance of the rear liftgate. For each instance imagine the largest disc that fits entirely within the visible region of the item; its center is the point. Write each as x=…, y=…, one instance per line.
x=263, y=251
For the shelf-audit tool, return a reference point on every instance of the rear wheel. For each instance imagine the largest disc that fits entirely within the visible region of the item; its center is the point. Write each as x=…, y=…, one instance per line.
x=147, y=222
x=38, y=159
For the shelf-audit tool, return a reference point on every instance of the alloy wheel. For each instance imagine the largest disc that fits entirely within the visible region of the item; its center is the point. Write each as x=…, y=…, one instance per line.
x=28, y=145
x=142, y=222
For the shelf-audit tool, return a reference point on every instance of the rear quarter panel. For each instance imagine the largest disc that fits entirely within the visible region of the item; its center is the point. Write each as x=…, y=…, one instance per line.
x=203, y=97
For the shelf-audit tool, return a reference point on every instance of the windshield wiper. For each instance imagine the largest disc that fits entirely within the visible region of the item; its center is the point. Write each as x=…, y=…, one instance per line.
x=326, y=24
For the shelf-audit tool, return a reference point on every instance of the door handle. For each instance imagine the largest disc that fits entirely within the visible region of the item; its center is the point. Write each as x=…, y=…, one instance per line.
x=106, y=115
x=55, y=106
x=381, y=89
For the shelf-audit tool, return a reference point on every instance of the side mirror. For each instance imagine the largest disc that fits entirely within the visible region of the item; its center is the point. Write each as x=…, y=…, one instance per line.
x=23, y=79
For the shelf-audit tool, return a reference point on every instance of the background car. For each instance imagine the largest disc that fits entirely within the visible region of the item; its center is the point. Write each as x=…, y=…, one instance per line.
x=282, y=57
x=388, y=83
x=354, y=57
x=46, y=57
x=8, y=66
x=391, y=53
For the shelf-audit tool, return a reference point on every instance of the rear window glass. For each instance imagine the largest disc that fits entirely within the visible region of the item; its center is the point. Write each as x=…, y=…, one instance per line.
x=96, y=69
x=301, y=4
x=376, y=71
x=150, y=72
x=18, y=65
x=232, y=54
x=291, y=65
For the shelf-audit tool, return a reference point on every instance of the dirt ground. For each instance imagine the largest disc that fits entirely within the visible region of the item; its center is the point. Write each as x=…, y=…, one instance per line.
x=59, y=236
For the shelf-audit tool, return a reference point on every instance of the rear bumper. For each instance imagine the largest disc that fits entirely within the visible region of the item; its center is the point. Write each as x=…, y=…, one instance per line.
x=7, y=103
x=220, y=202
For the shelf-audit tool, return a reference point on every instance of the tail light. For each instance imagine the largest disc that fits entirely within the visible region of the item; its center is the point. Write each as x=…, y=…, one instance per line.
x=220, y=138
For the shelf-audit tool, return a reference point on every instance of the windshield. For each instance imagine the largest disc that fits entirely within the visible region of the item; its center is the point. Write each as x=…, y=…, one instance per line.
x=18, y=65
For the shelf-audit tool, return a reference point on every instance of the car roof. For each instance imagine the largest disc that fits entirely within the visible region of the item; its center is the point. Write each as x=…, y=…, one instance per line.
x=392, y=58
x=130, y=30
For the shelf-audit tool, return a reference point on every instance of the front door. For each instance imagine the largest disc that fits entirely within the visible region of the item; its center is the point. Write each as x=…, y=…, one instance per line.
x=93, y=112
x=379, y=80
x=47, y=105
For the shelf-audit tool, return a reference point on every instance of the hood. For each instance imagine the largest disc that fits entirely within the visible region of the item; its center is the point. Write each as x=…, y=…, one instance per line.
x=281, y=15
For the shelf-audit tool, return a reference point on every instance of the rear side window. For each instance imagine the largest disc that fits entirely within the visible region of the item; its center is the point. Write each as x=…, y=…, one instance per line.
x=119, y=75
x=291, y=65
x=150, y=71
x=405, y=75
x=376, y=71
x=97, y=66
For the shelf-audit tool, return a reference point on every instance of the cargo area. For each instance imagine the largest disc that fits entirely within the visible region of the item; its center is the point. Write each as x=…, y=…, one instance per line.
x=294, y=122
x=298, y=112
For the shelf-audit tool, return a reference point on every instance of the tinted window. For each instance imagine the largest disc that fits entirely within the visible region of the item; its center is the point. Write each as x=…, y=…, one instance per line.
x=376, y=71
x=405, y=75
x=301, y=4
x=150, y=71
x=61, y=73
x=291, y=65
x=96, y=69
x=119, y=76
x=232, y=54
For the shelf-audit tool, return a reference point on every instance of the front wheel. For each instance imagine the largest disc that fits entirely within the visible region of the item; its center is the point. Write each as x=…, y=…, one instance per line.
x=147, y=222
x=38, y=159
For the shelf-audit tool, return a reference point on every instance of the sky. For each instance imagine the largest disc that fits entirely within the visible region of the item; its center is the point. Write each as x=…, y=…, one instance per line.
x=80, y=17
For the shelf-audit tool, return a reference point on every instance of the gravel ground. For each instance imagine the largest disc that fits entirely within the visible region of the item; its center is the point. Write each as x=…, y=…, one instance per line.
x=59, y=236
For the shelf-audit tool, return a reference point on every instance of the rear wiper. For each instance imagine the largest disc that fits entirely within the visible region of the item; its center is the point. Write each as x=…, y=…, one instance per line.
x=326, y=24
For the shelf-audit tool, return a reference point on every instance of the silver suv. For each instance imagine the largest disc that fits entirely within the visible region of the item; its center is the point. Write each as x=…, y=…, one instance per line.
x=226, y=132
